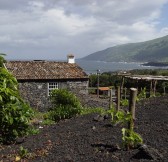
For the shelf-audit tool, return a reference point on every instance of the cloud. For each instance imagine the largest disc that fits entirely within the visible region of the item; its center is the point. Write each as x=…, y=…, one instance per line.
x=52, y=29
x=13, y=5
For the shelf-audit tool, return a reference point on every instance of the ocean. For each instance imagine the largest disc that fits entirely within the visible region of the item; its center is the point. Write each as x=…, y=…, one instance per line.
x=91, y=67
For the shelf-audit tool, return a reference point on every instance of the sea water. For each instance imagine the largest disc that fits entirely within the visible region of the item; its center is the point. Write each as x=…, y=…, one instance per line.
x=91, y=67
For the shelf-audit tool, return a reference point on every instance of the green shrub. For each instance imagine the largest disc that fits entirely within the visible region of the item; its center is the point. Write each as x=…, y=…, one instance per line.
x=64, y=104
x=130, y=138
x=48, y=122
x=33, y=131
x=119, y=116
x=23, y=152
x=63, y=97
x=14, y=113
x=141, y=95
x=124, y=102
x=43, y=118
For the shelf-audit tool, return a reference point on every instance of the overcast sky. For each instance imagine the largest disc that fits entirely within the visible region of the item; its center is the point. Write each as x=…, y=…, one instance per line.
x=51, y=29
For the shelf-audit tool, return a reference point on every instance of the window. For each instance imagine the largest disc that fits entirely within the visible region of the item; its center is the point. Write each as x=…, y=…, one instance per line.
x=51, y=86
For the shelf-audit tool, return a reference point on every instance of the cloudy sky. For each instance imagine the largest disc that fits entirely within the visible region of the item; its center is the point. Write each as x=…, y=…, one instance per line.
x=51, y=29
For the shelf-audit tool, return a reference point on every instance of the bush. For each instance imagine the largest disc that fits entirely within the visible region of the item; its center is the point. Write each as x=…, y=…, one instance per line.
x=142, y=94
x=14, y=113
x=124, y=102
x=64, y=104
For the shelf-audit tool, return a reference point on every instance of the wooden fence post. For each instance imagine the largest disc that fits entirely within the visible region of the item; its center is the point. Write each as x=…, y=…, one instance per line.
x=132, y=101
x=164, y=90
x=125, y=93
x=118, y=98
x=122, y=84
x=154, y=88
x=151, y=88
x=111, y=99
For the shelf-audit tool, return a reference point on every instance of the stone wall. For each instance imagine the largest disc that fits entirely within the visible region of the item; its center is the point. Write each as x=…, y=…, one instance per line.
x=36, y=93
x=92, y=101
x=78, y=87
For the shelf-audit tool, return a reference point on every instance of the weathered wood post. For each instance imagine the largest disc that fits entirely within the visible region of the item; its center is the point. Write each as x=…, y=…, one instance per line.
x=98, y=82
x=164, y=90
x=132, y=101
x=154, y=88
x=111, y=98
x=137, y=83
x=125, y=93
x=118, y=98
x=151, y=89
x=122, y=84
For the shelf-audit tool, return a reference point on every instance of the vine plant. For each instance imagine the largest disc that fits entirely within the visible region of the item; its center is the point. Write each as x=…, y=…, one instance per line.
x=142, y=94
x=15, y=114
x=118, y=116
x=130, y=138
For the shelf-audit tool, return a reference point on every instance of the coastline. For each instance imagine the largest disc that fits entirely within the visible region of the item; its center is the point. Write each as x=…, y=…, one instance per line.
x=91, y=66
x=156, y=64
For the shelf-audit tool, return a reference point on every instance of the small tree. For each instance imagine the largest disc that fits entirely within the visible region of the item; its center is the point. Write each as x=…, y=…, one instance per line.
x=14, y=112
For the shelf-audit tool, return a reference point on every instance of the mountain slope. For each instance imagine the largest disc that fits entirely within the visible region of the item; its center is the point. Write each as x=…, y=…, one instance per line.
x=149, y=51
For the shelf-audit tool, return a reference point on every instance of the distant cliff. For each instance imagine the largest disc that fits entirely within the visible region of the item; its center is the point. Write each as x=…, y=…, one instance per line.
x=155, y=50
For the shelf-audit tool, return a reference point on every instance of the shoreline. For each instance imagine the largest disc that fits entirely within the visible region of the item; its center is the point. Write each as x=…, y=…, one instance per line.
x=156, y=64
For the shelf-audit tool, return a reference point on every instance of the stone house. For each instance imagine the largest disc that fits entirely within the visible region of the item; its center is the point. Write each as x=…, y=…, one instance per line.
x=38, y=78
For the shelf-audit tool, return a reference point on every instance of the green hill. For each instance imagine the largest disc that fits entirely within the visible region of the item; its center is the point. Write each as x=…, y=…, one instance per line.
x=155, y=50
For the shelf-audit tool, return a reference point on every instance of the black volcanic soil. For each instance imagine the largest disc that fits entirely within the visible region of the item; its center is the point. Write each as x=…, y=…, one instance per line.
x=83, y=139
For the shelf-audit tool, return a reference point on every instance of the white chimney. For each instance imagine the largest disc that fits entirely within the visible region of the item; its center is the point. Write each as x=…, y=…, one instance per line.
x=71, y=59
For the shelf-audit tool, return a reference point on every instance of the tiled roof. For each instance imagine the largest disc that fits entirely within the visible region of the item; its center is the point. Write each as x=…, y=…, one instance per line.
x=24, y=70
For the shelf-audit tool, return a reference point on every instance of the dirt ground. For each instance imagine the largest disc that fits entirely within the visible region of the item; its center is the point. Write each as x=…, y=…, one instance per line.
x=84, y=139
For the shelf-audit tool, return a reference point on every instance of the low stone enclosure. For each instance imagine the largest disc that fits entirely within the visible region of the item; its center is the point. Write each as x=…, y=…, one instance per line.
x=116, y=94
x=93, y=101
x=150, y=85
